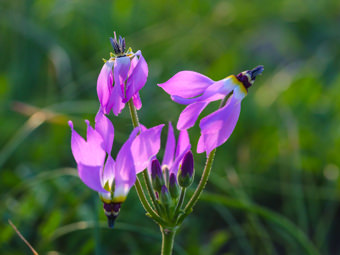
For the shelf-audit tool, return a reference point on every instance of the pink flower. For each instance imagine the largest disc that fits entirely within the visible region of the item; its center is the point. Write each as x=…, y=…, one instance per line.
x=121, y=78
x=197, y=91
x=100, y=172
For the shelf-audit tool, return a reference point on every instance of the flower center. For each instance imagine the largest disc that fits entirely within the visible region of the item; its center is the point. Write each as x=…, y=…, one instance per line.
x=247, y=78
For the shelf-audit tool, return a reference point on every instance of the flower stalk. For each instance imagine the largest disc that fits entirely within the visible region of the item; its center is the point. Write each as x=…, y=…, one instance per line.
x=141, y=195
x=168, y=238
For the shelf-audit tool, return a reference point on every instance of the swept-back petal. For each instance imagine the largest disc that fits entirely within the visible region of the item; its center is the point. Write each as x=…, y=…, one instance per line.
x=137, y=78
x=108, y=173
x=216, y=91
x=145, y=146
x=183, y=146
x=105, y=128
x=125, y=170
x=134, y=62
x=115, y=101
x=137, y=101
x=186, y=84
x=90, y=175
x=120, y=71
x=104, y=85
x=169, y=147
x=217, y=127
x=183, y=143
x=190, y=114
x=90, y=152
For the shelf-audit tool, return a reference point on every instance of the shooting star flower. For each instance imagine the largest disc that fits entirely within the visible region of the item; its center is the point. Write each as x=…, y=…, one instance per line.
x=197, y=91
x=98, y=170
x=121, y=78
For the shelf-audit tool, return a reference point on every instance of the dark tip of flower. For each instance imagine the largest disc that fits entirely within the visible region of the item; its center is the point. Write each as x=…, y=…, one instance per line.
x=118, y=45
x=156, y=170
x=188, y=164
x=111, y=211
x=248, y=77
x=111, y=221
x=256, y=71
x=164, y=190
x=172, y=180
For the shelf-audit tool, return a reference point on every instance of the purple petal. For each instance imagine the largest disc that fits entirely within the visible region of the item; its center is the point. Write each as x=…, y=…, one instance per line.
x=186, y=84
x=137, y=79
x=169, y=147
x=108, y=174
x=145, y=146
x=105, y=128
x=104, y=85
x=115, y=101
x=90, y=152
x=190, y=114
x=120, y=70
x=125, y=174
x=216, y=91
x=90, y=175
x=134, y=62
x=136, y=101
x=183, y=146
x=217, y=127
x=183, y=143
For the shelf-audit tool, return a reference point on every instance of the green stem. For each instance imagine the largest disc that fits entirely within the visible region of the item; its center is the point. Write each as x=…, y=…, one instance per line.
x=150, y=189
x=180, y=201
x=204, y=179
x=146, y=204
x=168, y=237
x=133, y=114
x=135, y=123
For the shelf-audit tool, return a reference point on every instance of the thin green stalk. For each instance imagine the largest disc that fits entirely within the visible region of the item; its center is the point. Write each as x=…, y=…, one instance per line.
x=146, y=204
x=150, y=190
x=135, y=123
x=168, y=237
x=133, y=114
x=180, y=201
x=204, y=179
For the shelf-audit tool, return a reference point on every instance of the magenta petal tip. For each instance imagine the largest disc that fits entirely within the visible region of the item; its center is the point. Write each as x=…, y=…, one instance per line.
x=70, y=123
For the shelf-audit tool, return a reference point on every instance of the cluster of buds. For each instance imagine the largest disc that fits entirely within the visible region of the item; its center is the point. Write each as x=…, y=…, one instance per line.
x=167, y=185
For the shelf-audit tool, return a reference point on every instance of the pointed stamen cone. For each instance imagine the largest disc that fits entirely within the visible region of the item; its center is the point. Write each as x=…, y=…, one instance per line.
x=256, y=71
x=173, y=186
x=164, y=196
x=157, y=177
x=248, y=77
x=118, y=45
x=186, y=172
x=111, y=211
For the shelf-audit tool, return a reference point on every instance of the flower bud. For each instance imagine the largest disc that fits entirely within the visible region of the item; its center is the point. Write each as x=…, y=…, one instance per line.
x=164, y=196
x=186, y=172
x=173, y=186
x=157, y=175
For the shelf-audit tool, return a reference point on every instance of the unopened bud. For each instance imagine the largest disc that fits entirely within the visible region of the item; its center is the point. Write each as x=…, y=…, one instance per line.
x=164, y=196
x=186, y=172
x=173, y=186
x=157, y=175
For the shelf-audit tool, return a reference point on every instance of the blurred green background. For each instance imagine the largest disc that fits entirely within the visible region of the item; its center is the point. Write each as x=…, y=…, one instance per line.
x=274, y=188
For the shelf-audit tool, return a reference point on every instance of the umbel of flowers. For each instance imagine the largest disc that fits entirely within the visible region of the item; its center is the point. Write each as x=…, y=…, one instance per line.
x=121, y=78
